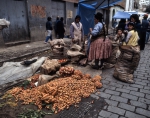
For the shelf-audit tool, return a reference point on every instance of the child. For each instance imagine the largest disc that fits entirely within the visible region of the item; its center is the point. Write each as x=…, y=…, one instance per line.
x=132, y=37
x=119, y=37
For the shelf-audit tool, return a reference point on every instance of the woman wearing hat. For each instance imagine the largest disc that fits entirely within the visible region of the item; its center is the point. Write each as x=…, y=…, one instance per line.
x=100, y=47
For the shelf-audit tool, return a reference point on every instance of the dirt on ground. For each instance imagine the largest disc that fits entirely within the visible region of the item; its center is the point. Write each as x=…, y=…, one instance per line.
x=87, y=108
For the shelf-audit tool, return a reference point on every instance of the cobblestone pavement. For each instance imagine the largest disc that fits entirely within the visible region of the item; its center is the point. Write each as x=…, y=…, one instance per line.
x=124, y=100
x=127, y=100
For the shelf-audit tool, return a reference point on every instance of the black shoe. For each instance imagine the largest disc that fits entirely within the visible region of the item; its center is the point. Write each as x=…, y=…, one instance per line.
x=95, y=67
x=101, y=67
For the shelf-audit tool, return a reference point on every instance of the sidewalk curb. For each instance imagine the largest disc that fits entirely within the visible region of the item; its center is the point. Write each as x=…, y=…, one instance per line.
x=25, y=55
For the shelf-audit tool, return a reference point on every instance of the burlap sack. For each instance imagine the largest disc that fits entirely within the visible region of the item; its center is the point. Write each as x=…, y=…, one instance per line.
x=127, y=63
x=50, y=66
x=43, y=79
x=114, y=55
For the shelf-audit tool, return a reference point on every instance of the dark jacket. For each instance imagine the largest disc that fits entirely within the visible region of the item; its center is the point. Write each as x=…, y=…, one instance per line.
x=145, y=25
x=60, y=29
x=49, y=25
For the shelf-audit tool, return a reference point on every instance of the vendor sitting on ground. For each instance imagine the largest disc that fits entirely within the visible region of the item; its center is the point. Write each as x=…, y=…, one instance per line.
x=119, y=37
x=130, y=56
x=100, y=46
x=132, y=36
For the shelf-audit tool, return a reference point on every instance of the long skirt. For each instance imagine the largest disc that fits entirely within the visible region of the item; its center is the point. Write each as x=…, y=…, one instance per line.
x=100, y=49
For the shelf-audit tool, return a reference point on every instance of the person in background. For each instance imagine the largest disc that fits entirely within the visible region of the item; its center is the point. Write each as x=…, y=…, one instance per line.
x=55, y=26
x=144, y=28
x=48, y=29
x=60, y=28
x=122, y=24
x=76, y=31
x=137, y=24
x=100, y=45
x=147, y=32
x=119, y=37
x=132, y=37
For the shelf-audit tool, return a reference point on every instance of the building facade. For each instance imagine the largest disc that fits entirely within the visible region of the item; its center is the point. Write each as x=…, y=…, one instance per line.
x=28, y=17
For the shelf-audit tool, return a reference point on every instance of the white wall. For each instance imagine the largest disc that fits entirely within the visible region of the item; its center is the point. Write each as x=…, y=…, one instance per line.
x=116, y=8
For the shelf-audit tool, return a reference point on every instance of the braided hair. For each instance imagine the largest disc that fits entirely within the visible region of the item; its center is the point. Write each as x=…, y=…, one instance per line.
x=99, y=16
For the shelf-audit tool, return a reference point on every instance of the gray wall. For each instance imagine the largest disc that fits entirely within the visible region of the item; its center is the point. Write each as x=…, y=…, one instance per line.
x=25, y=24
x=70, y=6
x=37, y=23
x=16, y=13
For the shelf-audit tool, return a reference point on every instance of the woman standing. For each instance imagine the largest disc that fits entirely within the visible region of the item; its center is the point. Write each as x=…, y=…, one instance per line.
x=76, y=31
x=100, y=47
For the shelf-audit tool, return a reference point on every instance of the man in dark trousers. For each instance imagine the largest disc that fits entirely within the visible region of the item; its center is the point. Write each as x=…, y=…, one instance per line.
x=55, y=26
x=144, y=28
x=60, y=28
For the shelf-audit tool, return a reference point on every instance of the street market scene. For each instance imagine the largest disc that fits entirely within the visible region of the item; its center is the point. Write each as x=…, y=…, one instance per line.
x=75, y=59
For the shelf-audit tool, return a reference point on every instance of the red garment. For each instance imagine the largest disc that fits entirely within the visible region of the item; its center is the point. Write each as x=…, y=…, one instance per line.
x=100, y=49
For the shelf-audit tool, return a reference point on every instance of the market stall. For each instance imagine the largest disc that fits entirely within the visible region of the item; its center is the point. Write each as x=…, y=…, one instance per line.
x=87, y=9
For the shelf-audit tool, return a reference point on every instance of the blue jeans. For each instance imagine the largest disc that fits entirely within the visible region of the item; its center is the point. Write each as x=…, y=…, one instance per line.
x=47, y=38
x=147, y=37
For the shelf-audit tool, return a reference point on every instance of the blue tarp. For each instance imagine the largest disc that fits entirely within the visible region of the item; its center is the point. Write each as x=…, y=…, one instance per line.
x=123, y=15
x=87, y=9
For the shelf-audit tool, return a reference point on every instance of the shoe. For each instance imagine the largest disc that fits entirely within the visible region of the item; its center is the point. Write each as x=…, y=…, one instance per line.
x=95, y=67
x=45, y=42
x=101, y=67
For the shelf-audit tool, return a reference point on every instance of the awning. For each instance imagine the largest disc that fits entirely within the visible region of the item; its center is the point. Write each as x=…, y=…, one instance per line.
x=98, y=4
x=123, y=15
x=87, y=9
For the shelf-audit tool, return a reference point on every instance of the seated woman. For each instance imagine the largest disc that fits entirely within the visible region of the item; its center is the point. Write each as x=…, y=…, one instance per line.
x=119, y=37
x=130, y=56
x=100, y=45
x=132, y=36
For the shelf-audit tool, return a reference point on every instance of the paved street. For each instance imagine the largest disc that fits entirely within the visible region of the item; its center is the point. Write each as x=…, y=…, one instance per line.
x=127, y=100
x=124, y=100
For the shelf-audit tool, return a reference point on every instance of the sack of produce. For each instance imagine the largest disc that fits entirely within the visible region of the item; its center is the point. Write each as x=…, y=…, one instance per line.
x=127, y=63
x=50, y=66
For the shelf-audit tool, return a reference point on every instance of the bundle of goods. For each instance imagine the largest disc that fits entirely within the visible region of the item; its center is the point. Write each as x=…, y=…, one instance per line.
x=115, y=53
x=127, y=63
x=57, y=46
x=63, y=61
x=30, y=82
x=62, y=92
x=75, y=53
x=4, y=23
x=66, y=71
x=50, y=66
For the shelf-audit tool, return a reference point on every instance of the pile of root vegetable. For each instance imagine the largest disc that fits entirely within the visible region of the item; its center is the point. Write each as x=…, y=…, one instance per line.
x=62, y=92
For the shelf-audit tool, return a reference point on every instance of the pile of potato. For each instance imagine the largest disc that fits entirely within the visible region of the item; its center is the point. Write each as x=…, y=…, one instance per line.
x=62, y=92
x=66, y=71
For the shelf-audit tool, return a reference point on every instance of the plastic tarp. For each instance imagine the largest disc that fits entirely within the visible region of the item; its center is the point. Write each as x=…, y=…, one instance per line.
x=87, y=9
x=87, y=16
x=13, y=71
x=123, y=15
